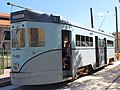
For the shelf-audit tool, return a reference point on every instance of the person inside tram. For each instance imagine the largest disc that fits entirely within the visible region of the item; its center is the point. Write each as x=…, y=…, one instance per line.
x=66, y=56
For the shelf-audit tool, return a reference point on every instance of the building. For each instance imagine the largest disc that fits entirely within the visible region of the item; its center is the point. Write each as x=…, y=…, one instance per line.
x=5, y=40
x=5, y=31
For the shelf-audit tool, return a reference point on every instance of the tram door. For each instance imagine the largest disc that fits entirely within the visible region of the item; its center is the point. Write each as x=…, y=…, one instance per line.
x=66, y=53
x=105, y=51
x=101, y=51
x=97, y=51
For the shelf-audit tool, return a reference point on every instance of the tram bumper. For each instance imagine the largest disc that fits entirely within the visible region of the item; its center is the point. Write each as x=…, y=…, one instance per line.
x=35, y=78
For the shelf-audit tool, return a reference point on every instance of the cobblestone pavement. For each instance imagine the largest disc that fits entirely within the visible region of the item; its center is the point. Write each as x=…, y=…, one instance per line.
x=115, y=85
x=106, y=79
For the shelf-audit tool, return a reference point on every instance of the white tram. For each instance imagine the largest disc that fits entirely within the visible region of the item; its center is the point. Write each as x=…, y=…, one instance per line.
x=37, y=42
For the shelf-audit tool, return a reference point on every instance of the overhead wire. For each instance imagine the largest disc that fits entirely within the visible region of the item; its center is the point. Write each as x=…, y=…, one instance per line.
x=102, y=8
x=103, y=20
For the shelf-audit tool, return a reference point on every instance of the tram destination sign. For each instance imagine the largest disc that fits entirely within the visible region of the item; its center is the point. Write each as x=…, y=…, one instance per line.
x=18, y=16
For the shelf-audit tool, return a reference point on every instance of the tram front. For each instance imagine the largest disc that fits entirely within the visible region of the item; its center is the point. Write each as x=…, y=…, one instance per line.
x=35, y=51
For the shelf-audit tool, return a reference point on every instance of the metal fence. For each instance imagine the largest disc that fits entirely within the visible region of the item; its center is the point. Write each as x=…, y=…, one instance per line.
x=1, y=61
x=5, y=60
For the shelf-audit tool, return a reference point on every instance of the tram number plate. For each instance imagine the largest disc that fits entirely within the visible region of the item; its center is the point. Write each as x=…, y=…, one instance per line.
x=16, y=56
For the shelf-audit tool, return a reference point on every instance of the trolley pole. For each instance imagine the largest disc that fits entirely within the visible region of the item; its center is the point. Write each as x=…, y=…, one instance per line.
x=116, y=33
x=8, y=3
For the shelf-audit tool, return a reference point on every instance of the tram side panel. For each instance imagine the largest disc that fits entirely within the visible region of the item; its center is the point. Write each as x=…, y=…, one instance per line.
x=110, y=49
x=82, y=55
x=104, y=51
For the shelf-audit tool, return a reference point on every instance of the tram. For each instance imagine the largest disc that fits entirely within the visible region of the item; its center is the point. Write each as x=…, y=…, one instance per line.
x=37, y=48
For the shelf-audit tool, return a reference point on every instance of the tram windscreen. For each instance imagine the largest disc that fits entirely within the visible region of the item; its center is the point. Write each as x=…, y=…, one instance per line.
x=36, y=37
x=18, y=38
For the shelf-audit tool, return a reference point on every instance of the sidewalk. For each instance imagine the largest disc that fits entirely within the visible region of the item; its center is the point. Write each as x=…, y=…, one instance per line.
x=105, y=79
x=6, y=74
x=5, y=78
x=116, y=83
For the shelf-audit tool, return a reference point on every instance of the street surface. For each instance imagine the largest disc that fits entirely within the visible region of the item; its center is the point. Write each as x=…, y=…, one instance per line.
x=116, y=85
x=107, y=78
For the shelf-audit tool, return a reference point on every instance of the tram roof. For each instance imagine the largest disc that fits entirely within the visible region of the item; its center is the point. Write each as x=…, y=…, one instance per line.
x=36, y=16
x=30, y=15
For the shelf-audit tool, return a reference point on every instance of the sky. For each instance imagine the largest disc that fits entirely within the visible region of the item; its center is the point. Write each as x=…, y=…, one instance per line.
x=77, y=11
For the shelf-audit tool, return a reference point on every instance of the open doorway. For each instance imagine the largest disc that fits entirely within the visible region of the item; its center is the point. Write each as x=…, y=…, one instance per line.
x=66, y=52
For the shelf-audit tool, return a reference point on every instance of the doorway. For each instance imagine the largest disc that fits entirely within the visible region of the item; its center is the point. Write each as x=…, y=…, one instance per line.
x=97, y=51
x=66, y=53
x=105, y=51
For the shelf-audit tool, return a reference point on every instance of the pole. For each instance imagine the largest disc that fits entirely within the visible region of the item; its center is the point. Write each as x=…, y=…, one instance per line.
x=116, y=33
x=8, y=3
x=91, y=14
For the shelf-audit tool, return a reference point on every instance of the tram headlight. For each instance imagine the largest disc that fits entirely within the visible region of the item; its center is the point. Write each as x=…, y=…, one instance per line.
x=16, y=65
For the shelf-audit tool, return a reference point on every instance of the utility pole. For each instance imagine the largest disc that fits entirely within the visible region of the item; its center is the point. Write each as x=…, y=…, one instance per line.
x=91, y=14
x=116, y=32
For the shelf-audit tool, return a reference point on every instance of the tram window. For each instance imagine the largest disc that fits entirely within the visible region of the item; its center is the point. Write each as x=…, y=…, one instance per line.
x=77, y=40
x=13, y=38
x=87, y=41
x=84, y=41
x=22, y=38
x=103, y=42
x=36, y=37
x=110, y=43
x=18, y=38
x=91, y=41
x=99, y=43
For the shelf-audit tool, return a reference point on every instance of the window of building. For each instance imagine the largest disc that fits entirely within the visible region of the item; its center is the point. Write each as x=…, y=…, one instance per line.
x=7, y=35
x=36, y=37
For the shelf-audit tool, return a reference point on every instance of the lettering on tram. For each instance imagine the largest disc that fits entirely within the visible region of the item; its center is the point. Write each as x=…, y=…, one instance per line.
x=16, y=56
